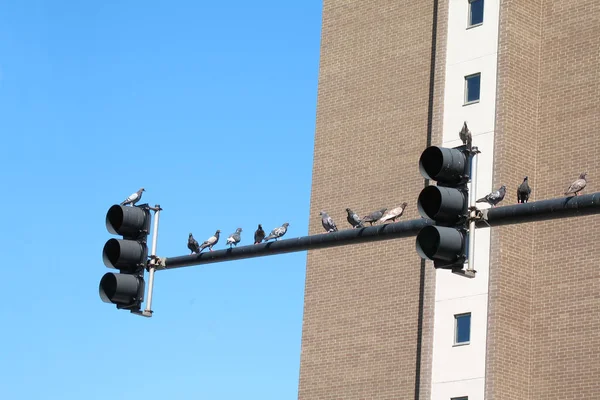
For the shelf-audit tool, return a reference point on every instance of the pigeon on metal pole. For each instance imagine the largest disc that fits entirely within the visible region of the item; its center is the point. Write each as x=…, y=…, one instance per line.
x=193, y=245
x=523, y=191
x=578, y=185
x=465, y=136
x=277, y=232
x=353, y=219
x=133, y=198
x=393, y=213
x=495, y=197
x=234, y=238
x=327, y=222
x=259, y=234
x=211, y=241
x=374, y=216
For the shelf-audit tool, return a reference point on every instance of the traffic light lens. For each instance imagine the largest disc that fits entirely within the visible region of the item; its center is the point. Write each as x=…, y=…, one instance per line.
x=428, y=242
x=431, y=162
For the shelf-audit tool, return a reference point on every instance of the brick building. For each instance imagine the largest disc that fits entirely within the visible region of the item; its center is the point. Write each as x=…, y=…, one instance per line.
x=394, y=78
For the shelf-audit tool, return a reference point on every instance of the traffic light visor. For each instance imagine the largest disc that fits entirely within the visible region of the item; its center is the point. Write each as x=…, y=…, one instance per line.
x=440, y=243
x=120, y=289
x=443, y=164
x=127, y=221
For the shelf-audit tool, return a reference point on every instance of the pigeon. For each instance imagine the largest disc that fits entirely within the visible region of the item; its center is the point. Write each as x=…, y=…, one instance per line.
x=374, y=216
x=465, y=136
x=211, y=241
x=523, y=191
x=134, y=198
x=277, y=232
x=494, y=197
x=193, y=245
x=353, y=219
x=259, y=235
x=578, y=185
x=234, y=238
x=327, y=222
x=393, y=213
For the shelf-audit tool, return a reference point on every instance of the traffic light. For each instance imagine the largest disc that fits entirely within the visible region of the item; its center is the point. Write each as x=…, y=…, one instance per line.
x=129, y=255
x=446, y=204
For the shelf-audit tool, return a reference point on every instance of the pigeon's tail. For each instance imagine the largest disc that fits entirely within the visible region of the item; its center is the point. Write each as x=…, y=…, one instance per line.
x=481, y=200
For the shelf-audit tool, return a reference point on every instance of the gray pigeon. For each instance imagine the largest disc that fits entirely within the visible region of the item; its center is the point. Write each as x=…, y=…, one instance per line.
x=465, y=136
x=374, y=216
x=353, y=219
x=211, y=241
x=578, y=185
x=495, y=197
x=393, y=213
x=234, y=238
x=277, y=232
x=523, y=191
x=327, y=222
x=134, y=198
x=259, y=235
x=193, y=245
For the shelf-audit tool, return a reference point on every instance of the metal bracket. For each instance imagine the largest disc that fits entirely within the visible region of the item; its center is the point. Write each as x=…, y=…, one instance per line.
x=465, y=272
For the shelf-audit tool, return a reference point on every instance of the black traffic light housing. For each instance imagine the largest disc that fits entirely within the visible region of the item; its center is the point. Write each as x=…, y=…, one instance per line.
x=129, y=255
x=446, y=204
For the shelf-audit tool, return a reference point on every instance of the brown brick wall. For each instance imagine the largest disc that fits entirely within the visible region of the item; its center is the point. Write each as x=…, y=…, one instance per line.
x=361, y=317
x=543, y=340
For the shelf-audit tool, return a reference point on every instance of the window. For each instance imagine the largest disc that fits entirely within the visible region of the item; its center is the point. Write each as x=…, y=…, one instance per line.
x=460, y=398
x=475, y=13
x=462, y=329
x=472, y=88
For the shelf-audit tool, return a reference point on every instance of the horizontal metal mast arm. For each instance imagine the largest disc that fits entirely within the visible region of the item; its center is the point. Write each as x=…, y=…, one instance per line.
x=543, y=210
x=340, y=238
x=563, y=207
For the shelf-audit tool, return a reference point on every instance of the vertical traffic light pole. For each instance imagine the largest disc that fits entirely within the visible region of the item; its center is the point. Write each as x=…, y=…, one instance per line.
x=472, y=211
x=152, y=268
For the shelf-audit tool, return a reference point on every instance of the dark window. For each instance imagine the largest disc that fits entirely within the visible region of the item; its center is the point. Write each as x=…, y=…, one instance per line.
x=472, y=88
x=460, y=398
x=462, y=328
x=475, y=12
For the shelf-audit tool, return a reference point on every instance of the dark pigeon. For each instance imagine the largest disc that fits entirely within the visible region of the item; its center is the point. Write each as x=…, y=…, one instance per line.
x=495, y=197
x=374, y=216
x=327, y=222
x=193, y=245
x=465, y=136
x=353, y=219
x=133, y=198
x=259, y=235
x=277, y=232
x=393, y=213
x=211, y=241
x=523, y=191
x=578, y=185
x=234, y=238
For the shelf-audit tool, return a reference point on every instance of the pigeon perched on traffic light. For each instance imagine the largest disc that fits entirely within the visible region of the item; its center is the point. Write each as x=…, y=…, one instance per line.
x=277, y=232
x=393, y=213
x=133, y=198
x=353, y=219
x=465, y=136
x=193, y=245
x=259, y=235
x=374, y=216
x=234, y=238
x=523, y=191
x=495, y=197
x=211, y=241
x=578, y=185
x=327, y=222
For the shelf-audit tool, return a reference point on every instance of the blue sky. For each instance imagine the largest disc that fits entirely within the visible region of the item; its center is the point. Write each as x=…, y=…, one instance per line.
x=211, y=107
